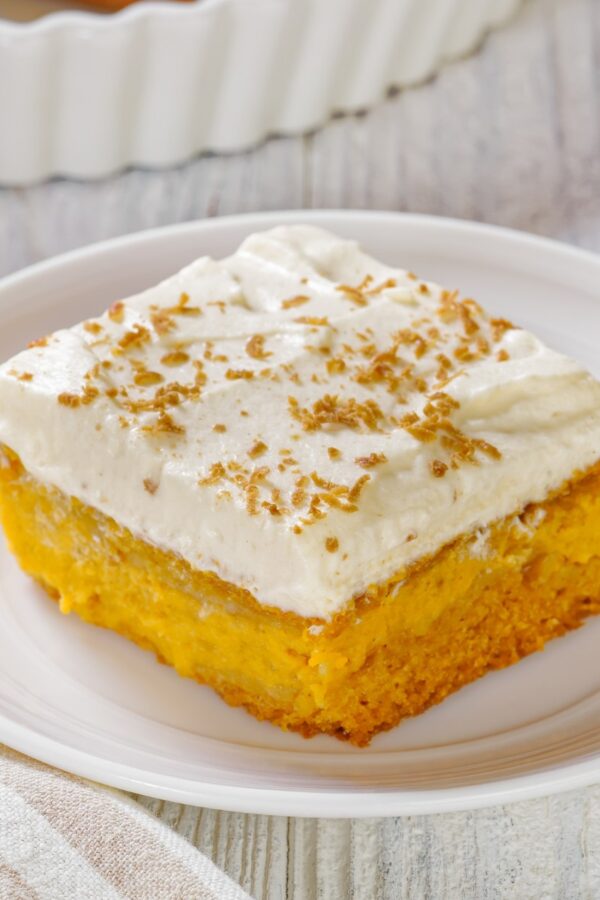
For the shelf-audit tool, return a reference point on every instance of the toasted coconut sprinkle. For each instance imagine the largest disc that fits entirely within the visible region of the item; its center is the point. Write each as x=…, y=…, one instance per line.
x=182, y=308
x=39, y=342
x=87, y=395
x=220, y=428
x=216, y=473
x=500, y=327
x=150, y=485
x=438, y=468
x=92, y=327
x=353, y=294
x=299, y=497
x=256, y=347
x=138, y=335
x=357, y=488
x=334, y=453
x=238, y=374
x=162, y=322
x=67, y=399
x=335, y=365
x=175, y=358
x=370, y=461
x=290, y=303
x=331, y=410
x=257, y=449
x=312, y=320
x=117, y=311
x=331, y=544
x=147, y=379
x=164, y=424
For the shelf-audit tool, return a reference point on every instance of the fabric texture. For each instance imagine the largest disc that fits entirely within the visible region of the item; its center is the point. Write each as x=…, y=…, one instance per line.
x=63, y=837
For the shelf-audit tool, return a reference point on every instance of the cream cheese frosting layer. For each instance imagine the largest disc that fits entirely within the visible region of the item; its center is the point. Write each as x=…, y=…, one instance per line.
x=299, y=418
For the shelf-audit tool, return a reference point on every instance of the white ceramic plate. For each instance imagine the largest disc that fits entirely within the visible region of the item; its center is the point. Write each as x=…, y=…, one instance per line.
x=88, y=701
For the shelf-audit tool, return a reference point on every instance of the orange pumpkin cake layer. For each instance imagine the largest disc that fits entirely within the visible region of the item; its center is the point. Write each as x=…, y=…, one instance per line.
x=331, y=490
x=480, y=603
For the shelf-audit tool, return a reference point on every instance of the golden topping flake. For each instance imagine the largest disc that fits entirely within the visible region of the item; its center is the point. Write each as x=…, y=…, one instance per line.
x=135, y=338
x=256, y=347
x=312, y=320
x=147, y=379
x=257, y=449
x=438, y=468
x=117, y=311
x=357, y=488
x=500, y=327
x=67, y=399
x=216, y=473
x=239, y=374
x=162, y=322
x=175, y=358
x=331, y=410
x=331, y=544
x=164, y=424
x=92, y=327
x=182, y=308
x=335, y=365
x=294, y=301
x=370, y=461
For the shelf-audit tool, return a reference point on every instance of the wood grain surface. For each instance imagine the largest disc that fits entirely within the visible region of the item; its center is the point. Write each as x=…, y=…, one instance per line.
x=509, y=136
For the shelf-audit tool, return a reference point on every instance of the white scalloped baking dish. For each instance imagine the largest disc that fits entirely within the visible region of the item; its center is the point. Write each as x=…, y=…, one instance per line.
x=84, y=95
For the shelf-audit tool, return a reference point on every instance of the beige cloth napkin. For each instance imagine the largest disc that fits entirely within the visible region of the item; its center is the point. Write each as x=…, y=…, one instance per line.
x=64, y=838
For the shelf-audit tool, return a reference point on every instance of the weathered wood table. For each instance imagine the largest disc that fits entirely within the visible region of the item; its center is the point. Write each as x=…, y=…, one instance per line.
x=510, y=136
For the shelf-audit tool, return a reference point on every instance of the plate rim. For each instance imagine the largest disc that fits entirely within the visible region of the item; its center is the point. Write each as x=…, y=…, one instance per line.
x=342, y=803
